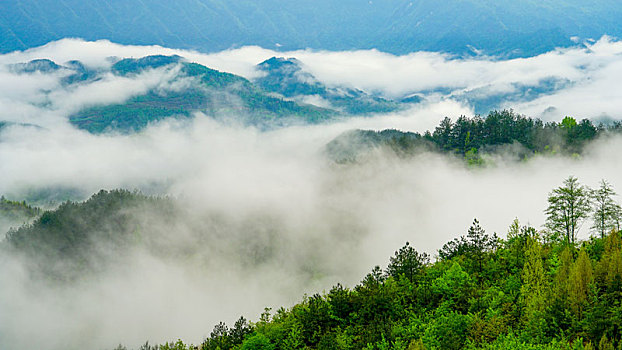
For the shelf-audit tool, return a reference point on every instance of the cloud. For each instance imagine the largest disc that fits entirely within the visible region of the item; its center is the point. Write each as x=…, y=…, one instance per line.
x=271, y=189
x=586, y=71
x=324, y=223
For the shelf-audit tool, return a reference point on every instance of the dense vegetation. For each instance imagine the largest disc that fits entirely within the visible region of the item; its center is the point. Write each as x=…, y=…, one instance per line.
x=9, y=208
x=474, y=138
x=286, y=77
x=511, y=28
x=532, y=290
x=217, y=94
x=77, y=238
x=14, y=213
x=535, y=289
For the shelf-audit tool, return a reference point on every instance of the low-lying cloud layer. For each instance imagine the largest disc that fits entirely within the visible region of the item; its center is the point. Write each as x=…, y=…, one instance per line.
x=577, y=81
x=335, y=222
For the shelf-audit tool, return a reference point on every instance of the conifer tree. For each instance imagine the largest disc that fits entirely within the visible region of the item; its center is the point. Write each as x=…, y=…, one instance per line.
x=534, y=290
x=579, y=280
x=407, y=262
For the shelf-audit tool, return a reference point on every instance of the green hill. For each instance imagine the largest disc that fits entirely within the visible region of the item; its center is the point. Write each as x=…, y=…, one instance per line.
x=77, y=239
x=287, y=78
x=217, y=94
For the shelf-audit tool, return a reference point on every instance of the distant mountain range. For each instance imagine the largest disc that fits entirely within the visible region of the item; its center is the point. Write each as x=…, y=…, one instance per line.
x=285, y=95
x=217, y=94
x=509, y=28
x=287, y=78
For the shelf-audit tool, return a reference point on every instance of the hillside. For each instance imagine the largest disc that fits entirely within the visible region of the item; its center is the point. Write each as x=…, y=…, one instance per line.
x=483, y=292
x=77, y=239
x=506, y=28
x=532, y=290
x=217, y=94
x=15, y=214
x=287, y=78
x=500, y=132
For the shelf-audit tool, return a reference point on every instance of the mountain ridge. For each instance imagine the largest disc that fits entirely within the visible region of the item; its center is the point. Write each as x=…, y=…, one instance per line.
x=505, y=28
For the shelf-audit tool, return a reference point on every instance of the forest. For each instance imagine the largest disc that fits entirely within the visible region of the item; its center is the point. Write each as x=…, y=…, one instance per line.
x=527, y=288
x=214, y=93
x=475, y=138
x=535, y=289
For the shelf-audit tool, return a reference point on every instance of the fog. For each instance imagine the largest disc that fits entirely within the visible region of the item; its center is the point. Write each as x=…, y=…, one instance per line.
x=290, y=221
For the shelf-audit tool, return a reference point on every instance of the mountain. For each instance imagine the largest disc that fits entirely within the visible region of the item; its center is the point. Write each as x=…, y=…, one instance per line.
x=497, y=27
x=38, y=65
x=287, y=78
x=285, y=95
x=217, y=94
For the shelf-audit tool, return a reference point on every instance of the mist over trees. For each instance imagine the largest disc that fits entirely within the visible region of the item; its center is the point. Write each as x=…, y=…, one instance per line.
x=523, y=292
x=534, y=289
x=476, y=138
x=209, y=175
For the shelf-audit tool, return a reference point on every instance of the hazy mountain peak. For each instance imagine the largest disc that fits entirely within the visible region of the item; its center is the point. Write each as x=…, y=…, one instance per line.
x=280, y=63
x=137, y=65
x=38, y=65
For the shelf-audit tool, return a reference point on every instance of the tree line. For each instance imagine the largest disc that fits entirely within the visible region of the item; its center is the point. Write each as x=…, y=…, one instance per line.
x=534, y=289
x=473, y=138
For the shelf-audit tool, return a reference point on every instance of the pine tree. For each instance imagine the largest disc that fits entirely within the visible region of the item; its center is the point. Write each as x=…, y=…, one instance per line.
x=534, y=290
x=579, y=280
x=407, y=262
x=479, y=243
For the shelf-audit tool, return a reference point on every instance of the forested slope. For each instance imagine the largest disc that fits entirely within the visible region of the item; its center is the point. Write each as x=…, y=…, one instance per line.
x=477, y=138
x=535, y=289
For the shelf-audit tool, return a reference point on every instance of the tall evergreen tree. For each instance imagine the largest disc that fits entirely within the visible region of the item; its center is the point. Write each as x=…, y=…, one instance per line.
x=581, y=276
x=534, y=290
x=479, y=244
x=407, y=262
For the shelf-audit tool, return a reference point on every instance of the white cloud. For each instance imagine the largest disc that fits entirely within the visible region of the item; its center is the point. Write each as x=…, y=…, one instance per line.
x=588, y=71
x=343, y=218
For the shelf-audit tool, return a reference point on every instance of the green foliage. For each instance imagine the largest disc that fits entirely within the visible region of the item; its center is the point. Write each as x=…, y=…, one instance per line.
x=257, y=342
x=15, y=214
x=454, y=287
x=475, y=139
x=407, y=263
x=482, y=292
x=534, y=291
x=217, y=94
x=569, y=206
x=77, y=237
x=16, y=210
